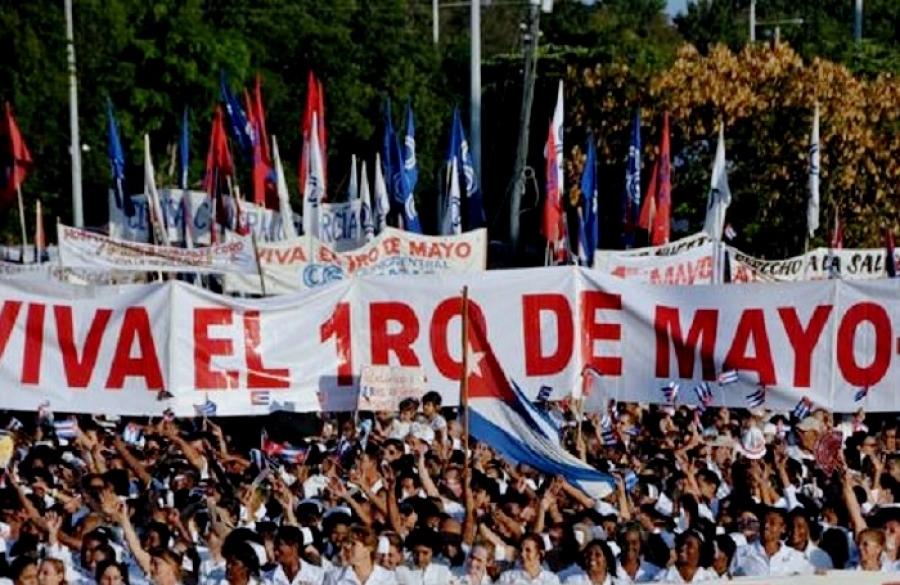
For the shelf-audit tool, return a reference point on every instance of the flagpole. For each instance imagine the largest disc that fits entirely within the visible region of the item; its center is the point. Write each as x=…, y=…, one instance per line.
x=464, y=377
x=21, y=208
x=259, y=268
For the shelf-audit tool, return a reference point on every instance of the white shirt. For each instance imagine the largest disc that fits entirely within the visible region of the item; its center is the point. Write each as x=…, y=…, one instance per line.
x=646, y=572
x=752, y=561
x=818, y=558
x=671, y=575
x=346, y=576
x=433, y=574
x=520, y=577
x=582, y=578
x=307, y=575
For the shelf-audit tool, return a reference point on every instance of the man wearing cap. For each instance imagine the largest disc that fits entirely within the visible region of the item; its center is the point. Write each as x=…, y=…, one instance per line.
x=808, y=432
x=769, y=556
x=422, y=544
x=291, y=569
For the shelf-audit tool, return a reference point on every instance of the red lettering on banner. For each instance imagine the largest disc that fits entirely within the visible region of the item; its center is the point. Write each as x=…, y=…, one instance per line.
x=399, y=342
x=417, y=248
x=79, y=370
x=8, y=317
x=205, y=348
x=803, y=341
x=258, y=376
x=593, y=330
x=449, y=309
x=392, y=246
x=536, y=363
x=338, y=326
x=135, y=326
x=853, y=373
x=702, y=332
x=752, y=328
x=34, y=344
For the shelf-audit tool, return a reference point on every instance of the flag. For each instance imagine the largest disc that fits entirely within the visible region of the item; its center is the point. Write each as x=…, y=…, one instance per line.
x=730, y=232
x=315, y=104
x=812, y=209
x=632, y=196
x=284, y=451
x=132, y=434
x=500, y=415
x=117, y=163
x=591, y=220
x=314, y=191
x=15, y=159
x=66, y=429
x=207, y=409
x=656, y=211
x=395, y=170
x=366, y=220
x=670, y=392
x=259, y=117
x=241, y=130
x=608, y=431
x=582, y=239
x=728, y=377
x=410, y=165
x=553, y=219
x=260, y=397
x=382, y=199
x=157, y=217
x=588, y=374
x=284, y=203
x=265, y=193
x=14, y=425
x=890, y=265
x=861, y=394
x=757, y=398
x=219, y=166
x=803, y=408
x=353, y=185
x=452, y=220
x=719, y=197
x=44, y=412
x=474, y=207
x=183, y=152
x=704, y=395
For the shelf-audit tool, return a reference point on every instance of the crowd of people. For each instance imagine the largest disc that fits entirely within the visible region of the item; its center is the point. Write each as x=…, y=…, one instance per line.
x=406, y=497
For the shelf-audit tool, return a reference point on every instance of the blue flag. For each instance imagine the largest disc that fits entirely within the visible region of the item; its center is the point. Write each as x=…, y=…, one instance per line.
x=399, y=185
x=451, y=219
x=410, y=164
x=474, y=208
x=183, y=151
x=631, y=199
x=238, y=124
x=590, y=221
x=117, y=163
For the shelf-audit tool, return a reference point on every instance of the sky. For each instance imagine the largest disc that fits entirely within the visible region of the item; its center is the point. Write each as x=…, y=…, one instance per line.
x=676, y=6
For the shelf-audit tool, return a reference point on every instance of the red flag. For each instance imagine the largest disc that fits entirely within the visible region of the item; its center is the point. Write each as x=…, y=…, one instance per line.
x=260, y=168
x=260, y=116
x=15, y=160
x=552, y=226
x=312, y=101
x=323, y=145
x=648, y=207
x=218, y=166
x=662, y=180
x=837, y=237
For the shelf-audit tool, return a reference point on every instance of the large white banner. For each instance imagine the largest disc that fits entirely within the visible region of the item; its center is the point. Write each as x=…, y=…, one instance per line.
x=307, y=263
x=113, y=350
x=193, y=216
x=82, y=249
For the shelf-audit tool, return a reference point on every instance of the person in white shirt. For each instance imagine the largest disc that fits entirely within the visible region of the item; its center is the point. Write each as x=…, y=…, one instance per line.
x=597, y=563
x=241, y=565
x=291, y=569
x=358, y=551
x=422, y=544
x=632, y=567
x=431, y=409
x=687, y=569
x=531, y=554
x=769, y=556
x=799, y=539
x=474, y=572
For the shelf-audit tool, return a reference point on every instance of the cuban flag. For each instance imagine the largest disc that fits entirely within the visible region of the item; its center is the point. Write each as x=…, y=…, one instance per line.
x=608, y=431
x=670, y=391
x=284, y=452
x=66, y=429
x=132, y=434
x=727, y=378
x=803, y=408
x=206, y=409
x=704, y=394
x=861, y=394
x=500, y=415
x=758, y=398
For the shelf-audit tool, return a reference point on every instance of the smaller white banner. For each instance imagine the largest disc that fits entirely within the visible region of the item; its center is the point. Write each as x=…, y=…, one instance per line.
x=382, y=388
x=82, y=249
x=339, y=225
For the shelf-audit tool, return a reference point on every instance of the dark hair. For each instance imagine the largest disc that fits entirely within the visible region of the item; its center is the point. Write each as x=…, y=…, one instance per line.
x=536, y=538
x=834, y=542
x=19, y=565
x=243, y=553
x=607, y=554
x=726, y=546
x=432, y=397
x=291, y=536
x=103, y=565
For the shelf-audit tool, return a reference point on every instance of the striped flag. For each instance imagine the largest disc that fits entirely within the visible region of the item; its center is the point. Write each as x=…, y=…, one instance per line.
x=260, y=398
x=66, y=429
x=670, y=391
x=803, y=408
x=206, y=409
x=861, y=394
x=285, y=452
x=608, y=430
x=758, y=398
x=704, y=395
x=132, y=434
x=727, y=378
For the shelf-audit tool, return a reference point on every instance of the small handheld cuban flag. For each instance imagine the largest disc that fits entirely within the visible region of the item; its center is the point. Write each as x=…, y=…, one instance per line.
x=66, y=429
x=758, y=398
x=132, y=434
x=803, y=408
x=608, y=430
x=206, y=409
x=728, y=377
x=861, y=394
x=44, y=412
x=704, y=395
x=670, y=391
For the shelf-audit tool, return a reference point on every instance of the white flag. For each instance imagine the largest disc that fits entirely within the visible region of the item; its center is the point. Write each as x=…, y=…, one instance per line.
x=558, y=123
x=452, y=223
x=284, y=199
x=812, y=209
x=353, y=187
x=314, y=190
x=382, y=202
x=365, y=209
x=157, y=219
x=719, y=197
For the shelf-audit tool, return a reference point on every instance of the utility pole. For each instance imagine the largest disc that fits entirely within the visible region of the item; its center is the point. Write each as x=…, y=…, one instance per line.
x=75, y=146
x=435, y=21
x=530, y=40
x=857, y=20
x=475, y=85
x=752, y=21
